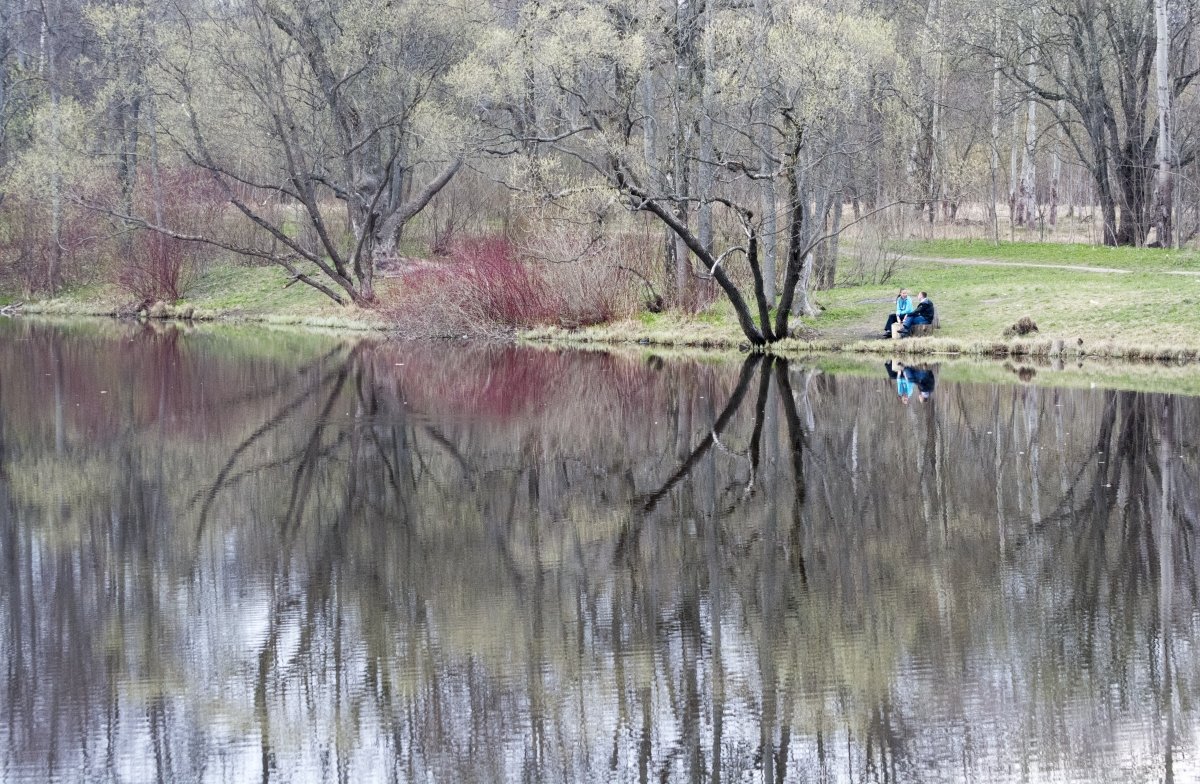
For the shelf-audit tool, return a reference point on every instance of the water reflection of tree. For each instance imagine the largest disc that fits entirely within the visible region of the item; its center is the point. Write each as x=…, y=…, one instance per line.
x=631, y=573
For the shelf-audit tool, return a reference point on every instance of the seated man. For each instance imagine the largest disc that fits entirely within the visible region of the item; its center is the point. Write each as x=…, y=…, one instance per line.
x=922, y=314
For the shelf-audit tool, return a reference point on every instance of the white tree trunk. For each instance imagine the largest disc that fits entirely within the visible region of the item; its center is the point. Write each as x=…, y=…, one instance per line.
x=1165, y=153
x=994, y=159
x=1056, y=169
x=1015, y=217
x=1028, y=189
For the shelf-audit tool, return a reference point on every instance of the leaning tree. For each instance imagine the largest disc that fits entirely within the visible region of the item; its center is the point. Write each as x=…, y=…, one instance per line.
x=776, y=98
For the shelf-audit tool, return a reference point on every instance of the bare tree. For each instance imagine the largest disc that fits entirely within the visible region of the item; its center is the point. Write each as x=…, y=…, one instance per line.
x=771, y=121
x=345, y=103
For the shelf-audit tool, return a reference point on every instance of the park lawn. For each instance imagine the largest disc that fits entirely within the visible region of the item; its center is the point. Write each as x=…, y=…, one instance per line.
x=1141, y=259
x=1135, y=315
x=976, y=303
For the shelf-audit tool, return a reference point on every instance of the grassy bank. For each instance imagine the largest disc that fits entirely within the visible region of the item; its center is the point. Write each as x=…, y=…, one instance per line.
x=1130, y=303
x=1133, y=303
x=225, y=292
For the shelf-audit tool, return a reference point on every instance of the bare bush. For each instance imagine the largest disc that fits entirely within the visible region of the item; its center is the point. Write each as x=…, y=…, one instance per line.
x=29, y=253
x=871, y=259
x=482, y=289
x=487, y=288
x=155, y=266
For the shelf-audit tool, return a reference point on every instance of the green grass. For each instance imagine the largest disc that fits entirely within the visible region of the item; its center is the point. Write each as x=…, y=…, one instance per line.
x=1145, y=312
x=225, y=291
x=976, y=304
x=1142, y=312
x=1056, y=253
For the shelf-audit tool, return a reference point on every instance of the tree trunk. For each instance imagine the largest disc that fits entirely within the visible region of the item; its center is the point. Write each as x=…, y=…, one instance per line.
x=50, y=58
x=994, y=158
x=799, y=265
x=705, y=174
x=833, y=243
x=1028, y=190
x=768, y=239
x=1165, y=151
x=1056, y=171
x=1015, y=216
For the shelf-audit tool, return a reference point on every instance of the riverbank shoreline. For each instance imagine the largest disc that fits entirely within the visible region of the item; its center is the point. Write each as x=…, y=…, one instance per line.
x=1042, y=349
x=360, y=322
x=680, y=332
x=1083, y=308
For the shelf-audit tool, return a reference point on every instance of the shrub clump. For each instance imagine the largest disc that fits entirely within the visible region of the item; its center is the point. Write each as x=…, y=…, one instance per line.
x=484, y=287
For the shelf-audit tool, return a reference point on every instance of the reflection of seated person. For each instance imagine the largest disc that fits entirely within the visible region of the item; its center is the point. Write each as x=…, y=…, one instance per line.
x=922, y=379
x=909, y=378
x=899, y=373
x=922, y=314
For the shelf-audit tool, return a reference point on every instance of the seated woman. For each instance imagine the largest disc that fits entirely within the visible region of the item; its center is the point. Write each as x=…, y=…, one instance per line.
x=903, y=308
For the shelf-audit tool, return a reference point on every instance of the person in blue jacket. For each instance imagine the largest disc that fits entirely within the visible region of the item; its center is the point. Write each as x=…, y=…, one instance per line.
x=903, y=308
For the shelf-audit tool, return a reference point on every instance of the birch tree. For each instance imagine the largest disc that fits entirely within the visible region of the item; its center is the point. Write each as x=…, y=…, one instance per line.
x=1094, y=63
x=1163, y=191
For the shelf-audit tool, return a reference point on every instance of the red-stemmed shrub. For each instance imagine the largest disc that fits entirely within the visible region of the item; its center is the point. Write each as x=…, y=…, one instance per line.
x=160, y=267
x=486, y=287
x=29, y=253
x=482, y=288
x=157, y=266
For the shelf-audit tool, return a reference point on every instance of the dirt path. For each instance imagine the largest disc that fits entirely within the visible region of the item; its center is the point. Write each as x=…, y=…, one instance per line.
x=972, y=262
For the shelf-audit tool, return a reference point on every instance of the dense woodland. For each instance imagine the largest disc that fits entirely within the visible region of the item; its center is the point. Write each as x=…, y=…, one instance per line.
x=587, y=158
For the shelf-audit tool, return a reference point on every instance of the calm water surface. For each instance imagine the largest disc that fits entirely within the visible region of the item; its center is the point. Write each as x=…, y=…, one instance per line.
x=237, y=557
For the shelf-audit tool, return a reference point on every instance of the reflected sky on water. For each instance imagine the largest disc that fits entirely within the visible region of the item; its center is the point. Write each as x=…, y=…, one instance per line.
x=259, y=556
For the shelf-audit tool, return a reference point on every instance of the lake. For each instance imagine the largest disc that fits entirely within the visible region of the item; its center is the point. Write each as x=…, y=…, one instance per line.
x=236, y=555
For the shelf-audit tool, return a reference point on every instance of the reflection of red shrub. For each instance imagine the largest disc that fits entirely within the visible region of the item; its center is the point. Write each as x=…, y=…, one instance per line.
x=502, y=383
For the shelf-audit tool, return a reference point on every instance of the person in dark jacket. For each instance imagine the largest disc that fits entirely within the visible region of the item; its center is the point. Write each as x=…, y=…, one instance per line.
x=923, y=313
